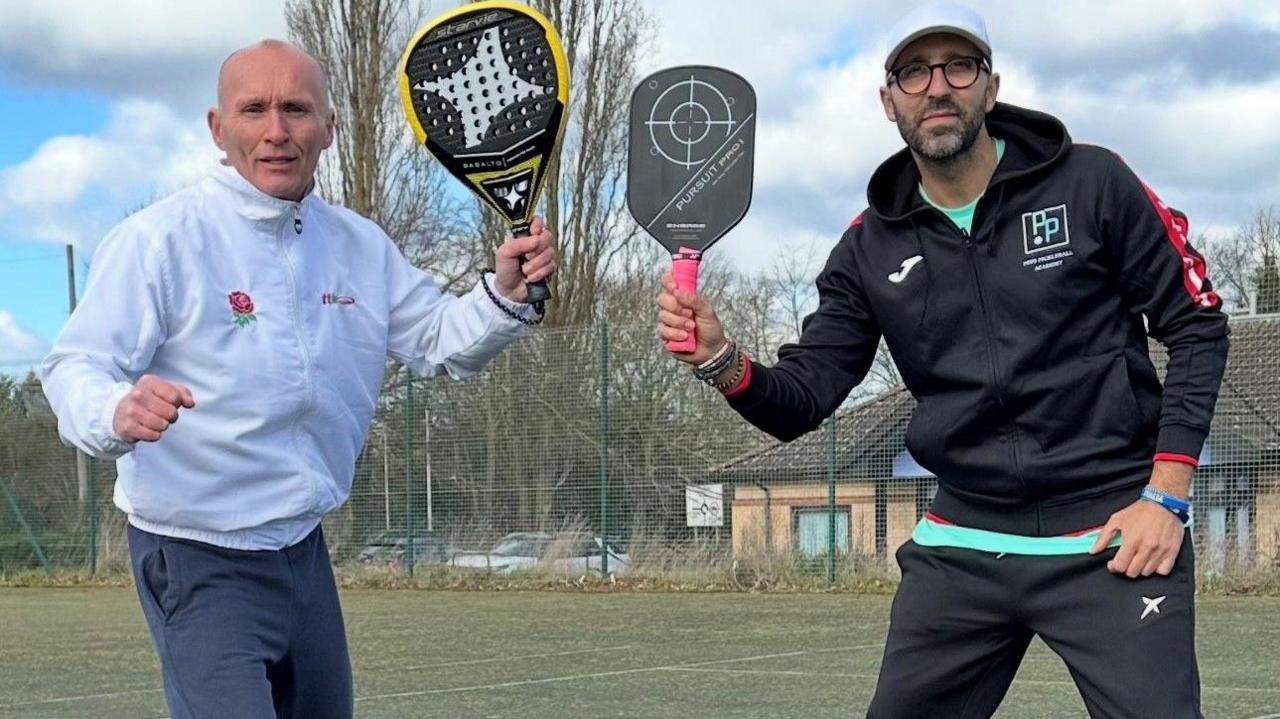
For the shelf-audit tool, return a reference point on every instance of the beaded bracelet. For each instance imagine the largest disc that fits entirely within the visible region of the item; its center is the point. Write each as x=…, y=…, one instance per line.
x=739, y=373
x=537, y=306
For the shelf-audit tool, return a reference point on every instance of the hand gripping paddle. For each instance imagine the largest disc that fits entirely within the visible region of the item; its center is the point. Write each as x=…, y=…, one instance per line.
x=485, y=89
x=692, y=150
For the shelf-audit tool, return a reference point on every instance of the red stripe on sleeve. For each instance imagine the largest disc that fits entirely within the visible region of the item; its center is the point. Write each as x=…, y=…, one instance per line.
x=1194, y=273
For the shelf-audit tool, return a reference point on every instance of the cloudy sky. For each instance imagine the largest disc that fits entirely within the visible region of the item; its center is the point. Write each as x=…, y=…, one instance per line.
x=102, y=107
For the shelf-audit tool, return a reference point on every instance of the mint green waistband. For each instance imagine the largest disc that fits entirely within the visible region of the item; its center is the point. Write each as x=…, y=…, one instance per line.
x=932, y=534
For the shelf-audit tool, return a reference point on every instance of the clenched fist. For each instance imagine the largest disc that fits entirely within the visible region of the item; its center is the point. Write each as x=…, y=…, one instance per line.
x=682, y=312
x=149, y=408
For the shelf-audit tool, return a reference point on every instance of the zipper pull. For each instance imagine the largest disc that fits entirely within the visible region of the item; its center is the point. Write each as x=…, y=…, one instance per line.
x=297, y=219
x=968, y=239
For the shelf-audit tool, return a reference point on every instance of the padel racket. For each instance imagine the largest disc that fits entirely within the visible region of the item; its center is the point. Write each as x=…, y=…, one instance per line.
x=485, y=88
x=691, y=158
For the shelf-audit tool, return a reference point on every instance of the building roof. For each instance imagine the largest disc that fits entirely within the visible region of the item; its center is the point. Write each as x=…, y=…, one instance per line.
x=1248, y=411
x=871, y=435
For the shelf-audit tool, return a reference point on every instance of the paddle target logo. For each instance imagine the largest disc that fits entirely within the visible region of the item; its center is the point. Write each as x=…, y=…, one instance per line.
x=689, y=121
x=690, y=154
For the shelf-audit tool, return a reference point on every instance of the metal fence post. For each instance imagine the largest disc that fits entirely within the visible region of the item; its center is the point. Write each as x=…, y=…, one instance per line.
x=26, y=528
x=408, y=472
x=604, y=448
x=831, y=499
x=92, y=507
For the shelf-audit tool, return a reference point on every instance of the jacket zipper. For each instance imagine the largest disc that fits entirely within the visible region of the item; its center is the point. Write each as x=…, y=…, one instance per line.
x=993, y=364
x=309, y=401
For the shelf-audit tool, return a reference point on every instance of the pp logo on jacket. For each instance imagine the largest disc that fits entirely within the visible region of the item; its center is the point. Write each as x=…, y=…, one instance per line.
x=1045, y=229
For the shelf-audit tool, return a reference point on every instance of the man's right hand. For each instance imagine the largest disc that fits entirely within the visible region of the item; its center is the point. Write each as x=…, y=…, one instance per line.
x=679, y=312
x=149, y=408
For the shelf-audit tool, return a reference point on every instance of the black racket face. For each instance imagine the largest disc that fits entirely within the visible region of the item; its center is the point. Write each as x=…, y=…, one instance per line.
x=691, y=154
x=485, y=90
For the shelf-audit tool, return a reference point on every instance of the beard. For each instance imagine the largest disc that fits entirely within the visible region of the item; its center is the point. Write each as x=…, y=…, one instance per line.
x=942, y=144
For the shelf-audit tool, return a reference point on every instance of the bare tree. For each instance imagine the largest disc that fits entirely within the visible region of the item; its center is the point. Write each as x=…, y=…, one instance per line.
x=769, y=308
x=374, y=167
x=747, y=312
x=1238, y=263
x=882, y=375
x=792, y=276
x=585, y=192
x=375, y=170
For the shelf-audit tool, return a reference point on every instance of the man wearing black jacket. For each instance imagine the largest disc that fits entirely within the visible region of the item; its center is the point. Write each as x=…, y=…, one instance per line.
x=1015, y=277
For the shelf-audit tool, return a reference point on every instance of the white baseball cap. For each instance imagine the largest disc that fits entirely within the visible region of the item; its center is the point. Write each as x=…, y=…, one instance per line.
x=938, y=17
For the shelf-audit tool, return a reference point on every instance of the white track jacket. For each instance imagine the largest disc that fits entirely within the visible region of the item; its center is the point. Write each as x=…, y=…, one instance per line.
x=278, y=316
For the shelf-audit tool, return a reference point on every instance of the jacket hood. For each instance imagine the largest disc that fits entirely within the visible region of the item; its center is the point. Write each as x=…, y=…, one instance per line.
x=1033, y=142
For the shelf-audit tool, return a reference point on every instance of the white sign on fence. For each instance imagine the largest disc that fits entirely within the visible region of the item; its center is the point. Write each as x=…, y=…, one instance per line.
x=704, y=505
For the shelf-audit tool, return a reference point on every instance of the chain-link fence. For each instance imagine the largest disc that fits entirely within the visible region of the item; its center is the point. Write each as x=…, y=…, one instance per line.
x=588, y=452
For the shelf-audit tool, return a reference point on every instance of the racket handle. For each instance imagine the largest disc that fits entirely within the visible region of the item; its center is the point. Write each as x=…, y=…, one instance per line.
x=684, y=269
x=536, y=291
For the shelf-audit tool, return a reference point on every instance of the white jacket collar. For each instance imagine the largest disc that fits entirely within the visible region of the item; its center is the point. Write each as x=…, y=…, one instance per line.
x=254, y=204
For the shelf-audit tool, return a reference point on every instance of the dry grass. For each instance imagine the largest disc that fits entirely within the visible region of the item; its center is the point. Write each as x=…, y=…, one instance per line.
x=656, y=565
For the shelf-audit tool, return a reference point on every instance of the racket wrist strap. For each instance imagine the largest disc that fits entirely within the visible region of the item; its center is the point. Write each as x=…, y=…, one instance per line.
x=537, y=306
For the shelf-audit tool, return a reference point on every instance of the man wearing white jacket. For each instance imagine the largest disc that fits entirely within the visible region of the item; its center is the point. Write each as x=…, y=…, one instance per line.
x=228, y=352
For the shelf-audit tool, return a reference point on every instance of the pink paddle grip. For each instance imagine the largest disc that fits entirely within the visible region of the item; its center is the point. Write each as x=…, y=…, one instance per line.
x=684, y=269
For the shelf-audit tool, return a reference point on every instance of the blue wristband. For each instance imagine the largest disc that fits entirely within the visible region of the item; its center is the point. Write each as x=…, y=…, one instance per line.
x=1179, y=507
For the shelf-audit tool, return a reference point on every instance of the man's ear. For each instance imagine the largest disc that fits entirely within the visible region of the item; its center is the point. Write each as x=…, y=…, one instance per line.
x=993, y=90
x=215, y=127
x=886, y=99
x=331, y=128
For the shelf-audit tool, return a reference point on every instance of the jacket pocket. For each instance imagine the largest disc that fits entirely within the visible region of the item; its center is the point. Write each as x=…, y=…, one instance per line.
x=922, y=439
x=160, y=574
x=1083, y=409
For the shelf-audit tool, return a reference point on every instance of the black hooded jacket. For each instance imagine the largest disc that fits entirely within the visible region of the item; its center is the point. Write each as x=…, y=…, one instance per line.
x=1025, y=343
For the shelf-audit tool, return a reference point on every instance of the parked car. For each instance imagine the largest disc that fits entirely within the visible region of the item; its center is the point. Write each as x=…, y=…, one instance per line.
x=388, y=548
x=574, y=553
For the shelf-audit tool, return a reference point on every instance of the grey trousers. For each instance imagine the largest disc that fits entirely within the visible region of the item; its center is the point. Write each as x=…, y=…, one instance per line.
x=245, y=634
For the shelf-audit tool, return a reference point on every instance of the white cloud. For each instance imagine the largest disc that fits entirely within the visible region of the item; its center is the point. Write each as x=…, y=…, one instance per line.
x=1205, y=144
x=19, y=346
x=1100, y=28
x=72, y=33
x=56, y=174
x=766, y=43
x=131, y=48
x=74, y=187
x=157, y=61
x=835, y=135
x=1208, y=145
x=156, y=49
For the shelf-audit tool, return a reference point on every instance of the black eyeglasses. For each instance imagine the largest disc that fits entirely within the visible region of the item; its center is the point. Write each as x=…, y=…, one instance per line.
x=961, y=72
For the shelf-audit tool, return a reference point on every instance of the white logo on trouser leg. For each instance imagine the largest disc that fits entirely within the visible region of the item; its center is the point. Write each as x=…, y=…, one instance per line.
x=1152, y=605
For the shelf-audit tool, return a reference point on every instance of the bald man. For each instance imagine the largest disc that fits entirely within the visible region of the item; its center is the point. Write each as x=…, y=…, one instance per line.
x=228, y=354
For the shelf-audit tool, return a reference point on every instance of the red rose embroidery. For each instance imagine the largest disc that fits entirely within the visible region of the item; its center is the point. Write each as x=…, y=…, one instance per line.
x=241, y=308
